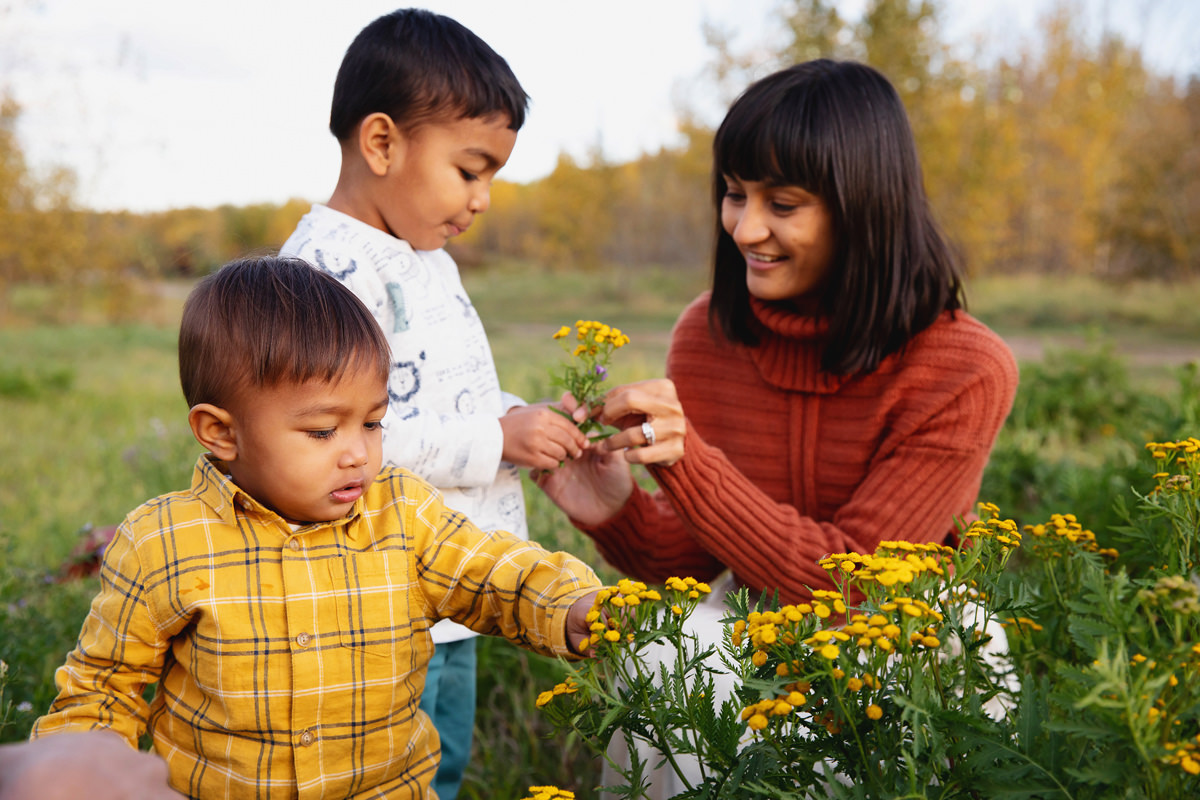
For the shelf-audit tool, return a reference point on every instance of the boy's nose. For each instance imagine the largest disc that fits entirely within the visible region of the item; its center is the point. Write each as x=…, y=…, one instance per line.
x=480, y=200
x=356, y=455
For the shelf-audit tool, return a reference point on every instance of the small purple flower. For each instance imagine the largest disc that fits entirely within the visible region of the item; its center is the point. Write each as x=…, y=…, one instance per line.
x=601, y=371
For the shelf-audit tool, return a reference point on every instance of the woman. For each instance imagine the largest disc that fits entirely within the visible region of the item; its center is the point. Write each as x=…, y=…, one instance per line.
x=829, y=392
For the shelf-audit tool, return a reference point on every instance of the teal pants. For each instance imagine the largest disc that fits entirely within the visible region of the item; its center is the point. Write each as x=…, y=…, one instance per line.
x=449, y=700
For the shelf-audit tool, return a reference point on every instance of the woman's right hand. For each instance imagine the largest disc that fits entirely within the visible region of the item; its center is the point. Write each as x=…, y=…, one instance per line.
x=635, y=406
x=590, y=489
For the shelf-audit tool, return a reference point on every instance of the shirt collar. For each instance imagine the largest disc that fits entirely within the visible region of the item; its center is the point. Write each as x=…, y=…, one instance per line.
x=212, y=484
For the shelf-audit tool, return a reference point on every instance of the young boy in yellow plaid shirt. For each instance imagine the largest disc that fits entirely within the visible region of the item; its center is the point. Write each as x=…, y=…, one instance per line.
x=283, y=603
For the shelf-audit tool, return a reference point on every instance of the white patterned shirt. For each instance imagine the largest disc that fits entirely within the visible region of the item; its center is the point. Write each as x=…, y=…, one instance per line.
x=444, y=395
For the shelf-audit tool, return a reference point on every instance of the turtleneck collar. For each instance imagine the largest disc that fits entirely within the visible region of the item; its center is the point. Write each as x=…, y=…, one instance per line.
x=788, y=355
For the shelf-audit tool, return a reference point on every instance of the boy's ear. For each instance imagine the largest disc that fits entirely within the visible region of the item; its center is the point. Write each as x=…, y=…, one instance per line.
x=213, y=428
x=380, y=142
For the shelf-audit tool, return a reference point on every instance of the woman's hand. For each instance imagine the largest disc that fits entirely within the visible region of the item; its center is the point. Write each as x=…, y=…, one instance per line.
x=590, y=489
x=635, y=406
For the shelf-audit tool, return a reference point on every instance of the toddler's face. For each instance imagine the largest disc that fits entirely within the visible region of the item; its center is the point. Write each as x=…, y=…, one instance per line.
x=310, y=450
x=444, y=178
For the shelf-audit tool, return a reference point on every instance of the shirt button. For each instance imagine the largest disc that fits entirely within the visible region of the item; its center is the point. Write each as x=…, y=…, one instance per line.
x=307, y=738
x=294, y=544
x=303, y=639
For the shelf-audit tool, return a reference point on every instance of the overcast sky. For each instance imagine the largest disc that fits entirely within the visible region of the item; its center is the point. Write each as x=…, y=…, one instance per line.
x=155, y=104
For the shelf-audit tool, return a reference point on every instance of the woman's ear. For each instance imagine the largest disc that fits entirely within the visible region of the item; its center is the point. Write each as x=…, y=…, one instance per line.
x=213, y=427
x=380, y=143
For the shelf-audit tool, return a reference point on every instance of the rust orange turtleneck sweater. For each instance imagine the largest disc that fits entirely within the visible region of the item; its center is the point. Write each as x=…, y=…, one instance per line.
x=785, y=464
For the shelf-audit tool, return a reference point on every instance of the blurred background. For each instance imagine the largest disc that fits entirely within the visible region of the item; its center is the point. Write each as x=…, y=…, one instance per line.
x=143, y=144
x=139, y=142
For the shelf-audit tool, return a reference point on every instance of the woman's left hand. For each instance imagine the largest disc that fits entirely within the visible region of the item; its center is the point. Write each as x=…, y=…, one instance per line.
x=651, y=421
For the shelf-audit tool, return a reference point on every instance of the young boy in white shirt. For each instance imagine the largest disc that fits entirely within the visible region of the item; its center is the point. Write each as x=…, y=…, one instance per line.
x=426, y=114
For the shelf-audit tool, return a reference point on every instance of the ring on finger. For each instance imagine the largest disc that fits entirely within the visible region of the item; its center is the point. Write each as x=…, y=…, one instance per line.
x=648, y=432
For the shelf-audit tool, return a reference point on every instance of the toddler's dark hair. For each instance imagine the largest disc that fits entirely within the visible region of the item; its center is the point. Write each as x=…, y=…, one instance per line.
x=260, y=322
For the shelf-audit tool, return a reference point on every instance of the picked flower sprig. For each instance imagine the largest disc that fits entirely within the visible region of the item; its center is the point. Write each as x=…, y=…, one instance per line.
x=586, y=369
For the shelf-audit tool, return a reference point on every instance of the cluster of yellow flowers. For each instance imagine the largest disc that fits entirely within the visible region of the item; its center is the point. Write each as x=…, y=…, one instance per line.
x=609, y=619
x=892, y=563
x=566, y=687
x=548, y=793
x=593, y=335
x=586, y=369
x=882, y=633
x=1186, y=755
x=1186, y=456
x=1064, y=530
x=992, y=527
x=901, y=621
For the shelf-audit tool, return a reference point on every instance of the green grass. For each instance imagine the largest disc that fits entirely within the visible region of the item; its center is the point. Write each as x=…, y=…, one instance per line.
x=1140, y=313
x=95, y=425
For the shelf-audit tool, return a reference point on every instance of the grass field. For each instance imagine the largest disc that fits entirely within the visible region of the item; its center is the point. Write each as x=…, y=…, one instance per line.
x=95, y=425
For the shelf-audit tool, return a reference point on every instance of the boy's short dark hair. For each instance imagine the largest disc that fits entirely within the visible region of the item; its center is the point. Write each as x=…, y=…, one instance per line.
x=415, y=65
x=260, y=322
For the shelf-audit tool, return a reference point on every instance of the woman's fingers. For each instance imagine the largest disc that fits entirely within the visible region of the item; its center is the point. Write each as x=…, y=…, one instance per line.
x=651, y=420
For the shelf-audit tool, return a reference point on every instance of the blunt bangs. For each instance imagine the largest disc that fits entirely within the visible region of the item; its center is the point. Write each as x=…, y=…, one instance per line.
x=774, y=133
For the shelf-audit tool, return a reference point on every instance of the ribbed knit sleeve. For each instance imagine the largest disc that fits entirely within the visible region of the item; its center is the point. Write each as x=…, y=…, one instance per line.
x=781, y=468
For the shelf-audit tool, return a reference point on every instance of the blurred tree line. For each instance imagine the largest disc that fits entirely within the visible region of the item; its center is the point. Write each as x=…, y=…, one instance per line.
x=1068, y=156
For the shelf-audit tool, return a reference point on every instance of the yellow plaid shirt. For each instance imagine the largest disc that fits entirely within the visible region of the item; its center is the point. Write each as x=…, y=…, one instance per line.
x=290, y=662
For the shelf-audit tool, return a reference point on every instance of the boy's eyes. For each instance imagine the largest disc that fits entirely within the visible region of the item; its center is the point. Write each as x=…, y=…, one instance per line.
x=329, y=433
x=468, y=176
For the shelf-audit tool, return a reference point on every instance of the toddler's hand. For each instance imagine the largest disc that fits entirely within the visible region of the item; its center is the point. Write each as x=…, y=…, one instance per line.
x=539, y=437
x=578, y=628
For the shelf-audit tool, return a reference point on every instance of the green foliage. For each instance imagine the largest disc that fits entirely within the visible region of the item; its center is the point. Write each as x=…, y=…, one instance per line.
x=92, y=452
x=39, y=620
x=30, y=385
x=1069, y=441
x=1092, y=692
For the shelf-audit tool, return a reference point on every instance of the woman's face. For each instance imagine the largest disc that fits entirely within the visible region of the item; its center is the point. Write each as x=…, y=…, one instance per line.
x=785, y=234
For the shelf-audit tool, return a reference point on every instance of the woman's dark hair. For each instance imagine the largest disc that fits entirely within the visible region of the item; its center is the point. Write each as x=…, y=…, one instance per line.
x=838, y=129
x=260, y=322
x=415, y=66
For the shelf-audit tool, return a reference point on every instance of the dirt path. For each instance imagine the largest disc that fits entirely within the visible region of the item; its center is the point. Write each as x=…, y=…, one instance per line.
x=1033, y=348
